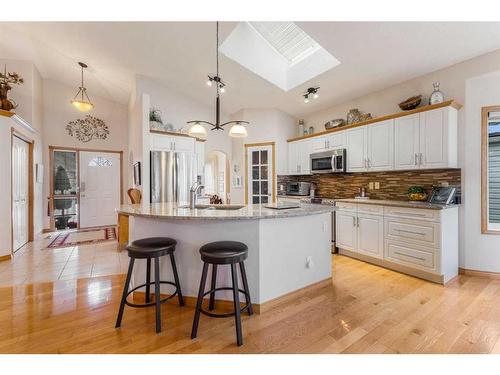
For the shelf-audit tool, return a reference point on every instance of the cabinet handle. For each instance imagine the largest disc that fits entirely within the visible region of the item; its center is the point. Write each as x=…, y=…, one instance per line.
x=416, y=158
x=410, y=256
x=420, y=158
x=354, y=221
x=409, y=231
x=357, y=221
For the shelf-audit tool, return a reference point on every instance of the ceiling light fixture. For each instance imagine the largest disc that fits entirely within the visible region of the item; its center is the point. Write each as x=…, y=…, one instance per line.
x=81, y=100
x=238, y=130
x=311, y=91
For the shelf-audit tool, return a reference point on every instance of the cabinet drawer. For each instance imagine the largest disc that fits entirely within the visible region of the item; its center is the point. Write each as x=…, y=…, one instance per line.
x=344, y=206
x=409, y=255
x=423, y=232
x=412, y=213
x=370, y=209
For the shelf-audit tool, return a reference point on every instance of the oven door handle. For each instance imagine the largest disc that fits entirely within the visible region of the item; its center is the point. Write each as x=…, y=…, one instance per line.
x=334, y=163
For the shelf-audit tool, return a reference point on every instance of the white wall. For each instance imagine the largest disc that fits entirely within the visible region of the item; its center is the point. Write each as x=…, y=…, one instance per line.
x=473, y=255
x=58, y=111
x=266, y=125
x=482, y=251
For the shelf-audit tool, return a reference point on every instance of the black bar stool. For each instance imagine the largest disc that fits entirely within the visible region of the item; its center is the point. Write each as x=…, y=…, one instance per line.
x=150, y=248
x=223, y=252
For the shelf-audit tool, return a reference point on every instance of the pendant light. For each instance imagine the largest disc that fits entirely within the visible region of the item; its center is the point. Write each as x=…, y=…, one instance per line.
x=237, y=130
x=81, y=100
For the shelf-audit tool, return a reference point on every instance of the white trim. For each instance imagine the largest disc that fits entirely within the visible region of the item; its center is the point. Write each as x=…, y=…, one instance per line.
x=22, y=122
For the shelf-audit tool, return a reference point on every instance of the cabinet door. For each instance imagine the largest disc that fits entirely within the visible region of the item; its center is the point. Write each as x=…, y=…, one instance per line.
x=293, y=165
x=381, y=146
x=406, y=145
x=370, y=236
x=161, y=142
x=345, y=230
x=319, y=144
x=434, y=138
x=185, y=144
x=305, y=157
x=336, y=140
x=356, y=149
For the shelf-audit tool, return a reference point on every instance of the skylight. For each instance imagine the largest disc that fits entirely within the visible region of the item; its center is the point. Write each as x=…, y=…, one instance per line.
x=287, y=38
x=280, y=52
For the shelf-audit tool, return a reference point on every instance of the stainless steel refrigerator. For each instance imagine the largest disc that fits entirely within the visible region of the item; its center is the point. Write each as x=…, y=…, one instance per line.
x=172, y=174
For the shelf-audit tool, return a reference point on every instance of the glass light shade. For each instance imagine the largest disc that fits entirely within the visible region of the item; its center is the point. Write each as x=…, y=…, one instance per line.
x=222, y=89
x=306, y=100
x=238, y=131
x=198, y=131
x=209, y=82
x=82, y=106
x=316, y=96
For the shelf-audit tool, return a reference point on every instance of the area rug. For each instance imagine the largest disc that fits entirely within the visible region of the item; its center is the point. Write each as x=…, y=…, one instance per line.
x=83, y=237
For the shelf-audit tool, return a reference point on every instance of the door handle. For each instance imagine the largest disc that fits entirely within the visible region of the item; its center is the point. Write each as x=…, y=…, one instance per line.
x=82, y=186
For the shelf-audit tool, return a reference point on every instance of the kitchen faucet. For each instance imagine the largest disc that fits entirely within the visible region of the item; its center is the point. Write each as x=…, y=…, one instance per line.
x=193, y=193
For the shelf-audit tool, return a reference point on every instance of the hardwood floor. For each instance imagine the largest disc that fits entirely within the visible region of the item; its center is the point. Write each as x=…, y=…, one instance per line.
x=367, y=309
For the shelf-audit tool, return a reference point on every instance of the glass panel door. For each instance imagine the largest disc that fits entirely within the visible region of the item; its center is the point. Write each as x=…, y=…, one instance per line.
x=64, y=194
x=260, y=182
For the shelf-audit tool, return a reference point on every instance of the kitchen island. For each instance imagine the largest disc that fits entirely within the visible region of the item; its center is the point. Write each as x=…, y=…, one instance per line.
x=288, y=249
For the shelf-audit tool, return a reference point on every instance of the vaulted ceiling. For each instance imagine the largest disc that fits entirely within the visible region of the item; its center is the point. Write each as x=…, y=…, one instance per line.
x=373, y=55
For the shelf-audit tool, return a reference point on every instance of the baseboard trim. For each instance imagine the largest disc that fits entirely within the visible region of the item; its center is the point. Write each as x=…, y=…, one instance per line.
x=5, y=257
x=476, y=273
x=46, y=230
x=258, y=308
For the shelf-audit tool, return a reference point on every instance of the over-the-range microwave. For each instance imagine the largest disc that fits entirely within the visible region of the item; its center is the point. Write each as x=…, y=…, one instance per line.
x=331, y=161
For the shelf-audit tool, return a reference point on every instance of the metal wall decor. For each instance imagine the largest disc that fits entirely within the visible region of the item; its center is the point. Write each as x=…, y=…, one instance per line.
x=87, y=129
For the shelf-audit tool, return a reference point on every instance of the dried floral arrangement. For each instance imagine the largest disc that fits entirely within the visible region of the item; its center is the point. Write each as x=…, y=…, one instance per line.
x=6, y=80
x=88, y=128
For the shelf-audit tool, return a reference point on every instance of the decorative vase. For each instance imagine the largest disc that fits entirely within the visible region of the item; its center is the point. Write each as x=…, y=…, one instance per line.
x=436, y=96
x=311, y=129
x=301, y=128
x=353, y=116
x=6, y=104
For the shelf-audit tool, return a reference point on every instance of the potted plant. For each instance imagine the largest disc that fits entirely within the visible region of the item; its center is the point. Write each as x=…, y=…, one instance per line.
x=6, y=80
x=62, y=184
x=417, y=193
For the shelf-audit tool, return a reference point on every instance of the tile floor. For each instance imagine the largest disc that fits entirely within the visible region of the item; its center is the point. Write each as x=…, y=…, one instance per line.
x=33, y=263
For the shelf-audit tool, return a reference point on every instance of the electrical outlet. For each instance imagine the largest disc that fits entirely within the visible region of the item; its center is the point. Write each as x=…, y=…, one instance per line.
x=309, y=262
x=377, y=185
x=370, y=185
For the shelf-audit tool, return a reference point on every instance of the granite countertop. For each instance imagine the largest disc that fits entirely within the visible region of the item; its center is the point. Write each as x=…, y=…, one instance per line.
x=249, y=212
x=395, y=203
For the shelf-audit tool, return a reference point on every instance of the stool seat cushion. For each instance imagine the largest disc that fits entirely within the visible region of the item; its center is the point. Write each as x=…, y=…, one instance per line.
x=224, y=252
x=151, y=247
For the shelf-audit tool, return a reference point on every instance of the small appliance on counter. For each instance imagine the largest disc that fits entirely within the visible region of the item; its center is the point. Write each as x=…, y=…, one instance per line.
x=443, y=195
x=298, y=188
x=331, y=161
x=362, y=194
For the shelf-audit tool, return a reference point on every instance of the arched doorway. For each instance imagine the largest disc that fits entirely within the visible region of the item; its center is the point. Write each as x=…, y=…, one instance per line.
x=217, y=175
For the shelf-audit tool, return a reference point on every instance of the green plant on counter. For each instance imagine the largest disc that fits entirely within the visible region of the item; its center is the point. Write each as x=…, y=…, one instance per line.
x=417, y=193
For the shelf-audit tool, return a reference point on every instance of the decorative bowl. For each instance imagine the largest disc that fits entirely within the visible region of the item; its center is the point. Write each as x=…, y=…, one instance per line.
x=417, y=193
x=334, y=123
x=410, y=103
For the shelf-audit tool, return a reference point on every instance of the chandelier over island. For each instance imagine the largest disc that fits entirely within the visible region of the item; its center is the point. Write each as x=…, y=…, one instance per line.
x=238, y=129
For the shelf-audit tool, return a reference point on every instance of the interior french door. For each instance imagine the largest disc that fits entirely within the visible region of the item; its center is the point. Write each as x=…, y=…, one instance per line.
x=260, y=173
x=99, y=188
x=20, y=192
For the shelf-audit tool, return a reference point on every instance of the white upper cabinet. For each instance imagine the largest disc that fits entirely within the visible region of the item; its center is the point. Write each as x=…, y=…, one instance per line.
x=336, y=140
x=356, y=149
x=160, y=142
x=438, y=138
x=299, y=157
x=319, y=144
x=380, y=143
x=427, y=140
x=406, y=135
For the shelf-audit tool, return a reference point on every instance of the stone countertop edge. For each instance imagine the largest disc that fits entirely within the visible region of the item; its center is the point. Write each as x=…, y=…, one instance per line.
x=404, y=204
x=168, y=211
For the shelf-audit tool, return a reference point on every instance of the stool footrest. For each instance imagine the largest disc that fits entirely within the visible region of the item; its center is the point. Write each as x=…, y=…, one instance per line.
x=224, y=315
x=131, y=304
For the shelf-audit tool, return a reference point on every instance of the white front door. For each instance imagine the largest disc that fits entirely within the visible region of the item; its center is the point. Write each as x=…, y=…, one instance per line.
x=20, y=192
x=260, y=174
x=99, y=188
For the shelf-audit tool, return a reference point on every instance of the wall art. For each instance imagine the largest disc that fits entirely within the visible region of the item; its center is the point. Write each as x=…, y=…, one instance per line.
x=88, y=128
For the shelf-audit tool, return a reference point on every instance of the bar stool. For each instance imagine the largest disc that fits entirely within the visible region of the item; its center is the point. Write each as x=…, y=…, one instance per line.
x=150, y=248
x=220, y=253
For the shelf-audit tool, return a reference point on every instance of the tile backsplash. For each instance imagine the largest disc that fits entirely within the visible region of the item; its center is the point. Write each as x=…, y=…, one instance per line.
x=393, y=185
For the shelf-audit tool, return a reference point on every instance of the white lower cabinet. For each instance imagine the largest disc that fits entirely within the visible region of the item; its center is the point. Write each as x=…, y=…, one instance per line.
x=420, y=242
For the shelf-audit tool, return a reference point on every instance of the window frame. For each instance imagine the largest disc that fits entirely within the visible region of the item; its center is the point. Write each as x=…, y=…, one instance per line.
x=485, y=225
